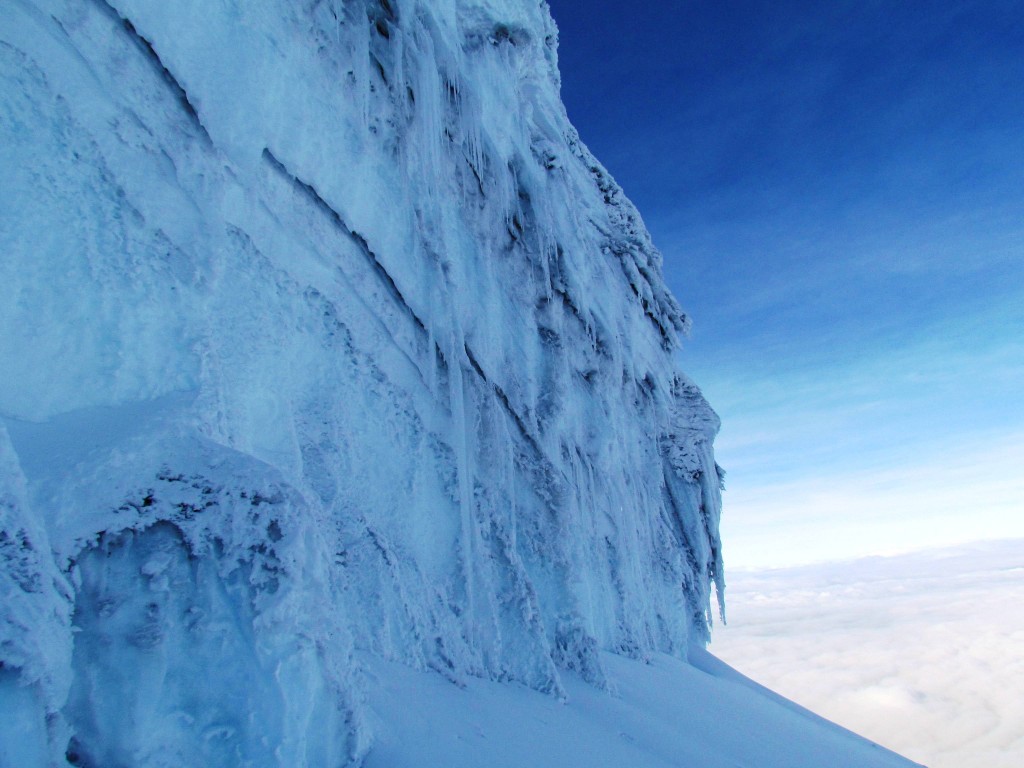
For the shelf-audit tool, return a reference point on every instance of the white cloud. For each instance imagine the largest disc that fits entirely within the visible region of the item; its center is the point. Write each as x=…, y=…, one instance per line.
x=921, y=653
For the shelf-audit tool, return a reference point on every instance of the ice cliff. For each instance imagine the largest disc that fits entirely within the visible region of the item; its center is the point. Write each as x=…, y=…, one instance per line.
x=322, y=337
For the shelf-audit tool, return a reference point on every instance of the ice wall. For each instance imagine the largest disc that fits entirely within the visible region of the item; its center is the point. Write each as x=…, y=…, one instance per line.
x=322, y=335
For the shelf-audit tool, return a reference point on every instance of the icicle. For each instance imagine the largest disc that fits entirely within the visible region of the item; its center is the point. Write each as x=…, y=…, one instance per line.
x=463, y=441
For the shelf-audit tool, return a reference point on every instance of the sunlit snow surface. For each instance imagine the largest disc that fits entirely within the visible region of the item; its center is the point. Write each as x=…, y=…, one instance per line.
x=326, y=349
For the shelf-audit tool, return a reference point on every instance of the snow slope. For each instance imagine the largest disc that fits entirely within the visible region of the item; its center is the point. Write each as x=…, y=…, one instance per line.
x=323, y=339
x=663, y=713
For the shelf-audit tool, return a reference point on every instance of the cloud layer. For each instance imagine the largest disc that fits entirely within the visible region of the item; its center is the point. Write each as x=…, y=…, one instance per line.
x=921, y=653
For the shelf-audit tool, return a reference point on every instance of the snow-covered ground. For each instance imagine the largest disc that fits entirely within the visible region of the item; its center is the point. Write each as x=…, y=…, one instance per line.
x=661, y=714
x=920, y=652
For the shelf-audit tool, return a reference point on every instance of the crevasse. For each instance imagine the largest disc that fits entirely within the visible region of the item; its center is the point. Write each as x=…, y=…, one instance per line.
x=323, y=335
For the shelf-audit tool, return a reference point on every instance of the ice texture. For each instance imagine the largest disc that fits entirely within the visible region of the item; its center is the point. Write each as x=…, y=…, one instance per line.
x=322, y=337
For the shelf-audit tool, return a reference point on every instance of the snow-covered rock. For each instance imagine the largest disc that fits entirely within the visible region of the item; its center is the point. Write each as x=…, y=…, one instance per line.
x=322, y=337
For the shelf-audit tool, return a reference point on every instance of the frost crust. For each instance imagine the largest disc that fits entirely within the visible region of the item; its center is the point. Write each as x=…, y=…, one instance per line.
x=324, y=335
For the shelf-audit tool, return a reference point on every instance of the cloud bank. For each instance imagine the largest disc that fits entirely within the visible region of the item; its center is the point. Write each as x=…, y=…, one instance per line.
x=920, y=653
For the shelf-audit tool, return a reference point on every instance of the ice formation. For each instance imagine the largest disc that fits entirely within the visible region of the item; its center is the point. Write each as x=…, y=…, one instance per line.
x=322, y=336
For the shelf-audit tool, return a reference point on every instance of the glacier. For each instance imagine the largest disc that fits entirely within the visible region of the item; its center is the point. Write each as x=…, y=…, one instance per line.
x=328, y=349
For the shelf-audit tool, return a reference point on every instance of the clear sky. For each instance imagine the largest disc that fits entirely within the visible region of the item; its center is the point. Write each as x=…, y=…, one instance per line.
x=838, y=191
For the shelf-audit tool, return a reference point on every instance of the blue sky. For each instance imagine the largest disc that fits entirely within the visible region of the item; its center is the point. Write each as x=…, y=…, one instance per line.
x=838, y=190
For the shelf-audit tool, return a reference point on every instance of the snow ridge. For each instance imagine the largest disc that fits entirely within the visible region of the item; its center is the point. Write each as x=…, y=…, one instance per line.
x=324, y=335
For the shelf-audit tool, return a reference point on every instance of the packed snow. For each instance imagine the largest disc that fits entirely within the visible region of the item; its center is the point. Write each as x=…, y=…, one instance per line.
x=662, y=713
x=338, y=380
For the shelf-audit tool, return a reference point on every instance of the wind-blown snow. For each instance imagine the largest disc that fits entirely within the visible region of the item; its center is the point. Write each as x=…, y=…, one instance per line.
x=322, y=335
